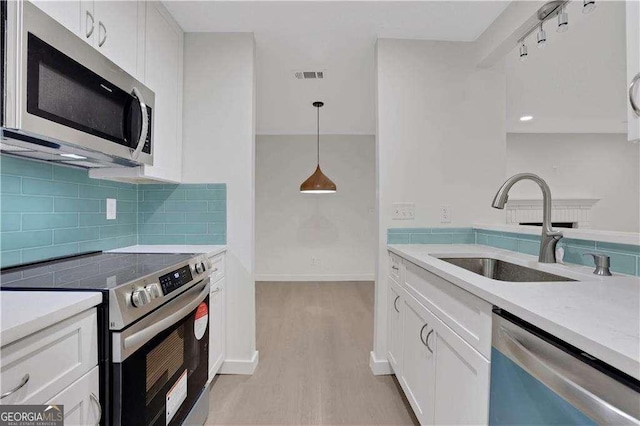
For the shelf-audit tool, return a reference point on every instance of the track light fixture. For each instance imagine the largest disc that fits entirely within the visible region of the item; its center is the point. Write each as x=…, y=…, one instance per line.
x=550, y=10
x=563, y=21
x=523, y=52
x=588, y=6
x=541, y=37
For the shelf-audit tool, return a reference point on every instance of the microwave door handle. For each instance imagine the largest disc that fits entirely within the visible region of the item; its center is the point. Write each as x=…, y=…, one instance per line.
x=145, y=124
x=141, y=337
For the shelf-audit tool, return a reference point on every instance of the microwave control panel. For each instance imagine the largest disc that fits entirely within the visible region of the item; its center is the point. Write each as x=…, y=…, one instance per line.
x=176, y=279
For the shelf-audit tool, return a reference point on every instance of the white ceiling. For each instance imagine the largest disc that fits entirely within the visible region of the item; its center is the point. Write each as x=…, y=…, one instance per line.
x=337, y=37
x=576, y=84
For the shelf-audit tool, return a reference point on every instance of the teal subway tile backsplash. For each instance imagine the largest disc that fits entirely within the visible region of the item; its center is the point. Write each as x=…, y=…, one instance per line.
x=182, y=214
x=625, y=258
x=49, y=211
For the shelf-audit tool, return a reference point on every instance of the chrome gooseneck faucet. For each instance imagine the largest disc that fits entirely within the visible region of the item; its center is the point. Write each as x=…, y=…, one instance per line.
x=550, y=237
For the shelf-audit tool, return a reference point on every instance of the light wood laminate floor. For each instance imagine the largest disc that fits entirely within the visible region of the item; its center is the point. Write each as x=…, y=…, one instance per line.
x=314, y=341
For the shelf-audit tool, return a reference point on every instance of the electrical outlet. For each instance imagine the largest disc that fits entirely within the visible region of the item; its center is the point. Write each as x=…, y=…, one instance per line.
x=404, y=211
x=445, y=214
x=111, y=208
x=314, y=260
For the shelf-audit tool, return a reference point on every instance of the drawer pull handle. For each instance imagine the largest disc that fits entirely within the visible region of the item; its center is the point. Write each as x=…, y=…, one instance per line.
x=395, y=268
x=95, y=399
x=23, y=382
x=216, y=290
x=395, y=304
x=424, y=342
x=214, y=270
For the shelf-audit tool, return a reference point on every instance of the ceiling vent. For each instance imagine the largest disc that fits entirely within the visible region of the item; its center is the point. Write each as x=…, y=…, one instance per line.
x=309, y=75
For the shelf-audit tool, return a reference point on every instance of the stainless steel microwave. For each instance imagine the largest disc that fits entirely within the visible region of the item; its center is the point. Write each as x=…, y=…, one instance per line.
x=64, y=102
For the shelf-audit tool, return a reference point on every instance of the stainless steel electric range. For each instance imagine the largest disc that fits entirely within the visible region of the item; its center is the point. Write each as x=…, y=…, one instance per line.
x=153, y=342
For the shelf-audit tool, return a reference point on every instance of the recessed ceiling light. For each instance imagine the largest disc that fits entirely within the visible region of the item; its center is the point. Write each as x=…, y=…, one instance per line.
x=74, y=156
x=526, y=118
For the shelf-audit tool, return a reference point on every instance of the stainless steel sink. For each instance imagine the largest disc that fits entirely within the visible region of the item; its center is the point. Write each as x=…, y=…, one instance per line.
x=501, y=270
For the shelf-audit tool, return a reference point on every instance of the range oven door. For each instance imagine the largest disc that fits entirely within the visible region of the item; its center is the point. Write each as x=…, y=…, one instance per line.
x=160, y=363
x=59, y=89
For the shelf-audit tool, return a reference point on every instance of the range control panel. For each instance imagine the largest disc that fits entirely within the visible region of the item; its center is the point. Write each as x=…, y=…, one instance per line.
x=176, y=279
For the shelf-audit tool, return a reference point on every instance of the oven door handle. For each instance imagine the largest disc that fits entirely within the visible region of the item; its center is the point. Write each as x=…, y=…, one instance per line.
x=179, y=311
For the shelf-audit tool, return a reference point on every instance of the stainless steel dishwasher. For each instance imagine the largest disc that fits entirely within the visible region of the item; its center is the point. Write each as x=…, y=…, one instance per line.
x=537, y=379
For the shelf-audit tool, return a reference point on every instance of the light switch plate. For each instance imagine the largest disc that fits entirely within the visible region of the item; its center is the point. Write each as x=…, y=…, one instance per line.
x=404, y=211
x=111, y=208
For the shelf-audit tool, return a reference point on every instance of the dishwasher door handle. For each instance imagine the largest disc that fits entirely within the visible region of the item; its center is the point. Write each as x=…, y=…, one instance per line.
x=594, y=407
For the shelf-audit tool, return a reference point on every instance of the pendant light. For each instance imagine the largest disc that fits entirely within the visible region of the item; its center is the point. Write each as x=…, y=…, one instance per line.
x=318, y=183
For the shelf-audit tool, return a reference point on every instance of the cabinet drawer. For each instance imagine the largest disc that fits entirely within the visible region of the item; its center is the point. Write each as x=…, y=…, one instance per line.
x=53, y=358
x=80, y=407
x=217, y=267
x=466, y=314
x=395, y=268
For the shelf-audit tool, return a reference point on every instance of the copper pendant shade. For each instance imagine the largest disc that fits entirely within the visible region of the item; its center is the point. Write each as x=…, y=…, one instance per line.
x=318, y=182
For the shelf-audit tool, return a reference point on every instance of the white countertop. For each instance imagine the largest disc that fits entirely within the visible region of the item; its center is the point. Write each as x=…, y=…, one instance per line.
x=24, y=312
x=210, y=250
x=600, y=315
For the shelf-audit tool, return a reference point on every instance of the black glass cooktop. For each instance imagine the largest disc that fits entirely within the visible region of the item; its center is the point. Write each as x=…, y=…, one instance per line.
x=93, y=271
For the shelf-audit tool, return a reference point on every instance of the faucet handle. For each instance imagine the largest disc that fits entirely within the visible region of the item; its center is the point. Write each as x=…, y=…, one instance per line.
x=602, y=262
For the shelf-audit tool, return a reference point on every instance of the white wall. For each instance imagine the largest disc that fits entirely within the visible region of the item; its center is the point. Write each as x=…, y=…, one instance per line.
x=294, y=229
x=440, y=140
x=604, y=166
x=578, y=82
x=219, y=146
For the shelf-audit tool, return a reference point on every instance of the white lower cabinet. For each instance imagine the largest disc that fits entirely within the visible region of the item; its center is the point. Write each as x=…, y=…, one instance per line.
x=216, y=330
x=444, y=377
x=462, y=377
x=217, y=315
x=57, y=365
x=418, y=362
x=395, y=321
x=81, y=401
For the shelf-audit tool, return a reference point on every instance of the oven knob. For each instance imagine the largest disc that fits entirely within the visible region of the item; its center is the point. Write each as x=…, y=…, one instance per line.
x=200, y=268
x=154, y=290
x=140, y=297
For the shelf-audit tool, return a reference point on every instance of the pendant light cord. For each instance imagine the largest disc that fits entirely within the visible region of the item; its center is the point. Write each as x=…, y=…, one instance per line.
x=318, y=136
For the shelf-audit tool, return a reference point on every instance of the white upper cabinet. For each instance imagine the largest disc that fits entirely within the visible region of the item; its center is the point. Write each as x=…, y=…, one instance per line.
x=160, y=69
x=633, y=69
x=163, y=75
x=68, y=13
x=116, y=33
x=112, y=27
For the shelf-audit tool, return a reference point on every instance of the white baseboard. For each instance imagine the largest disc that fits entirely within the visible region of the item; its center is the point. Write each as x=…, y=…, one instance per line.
x=379, y=367
x=240, y=366
x=325, y=277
